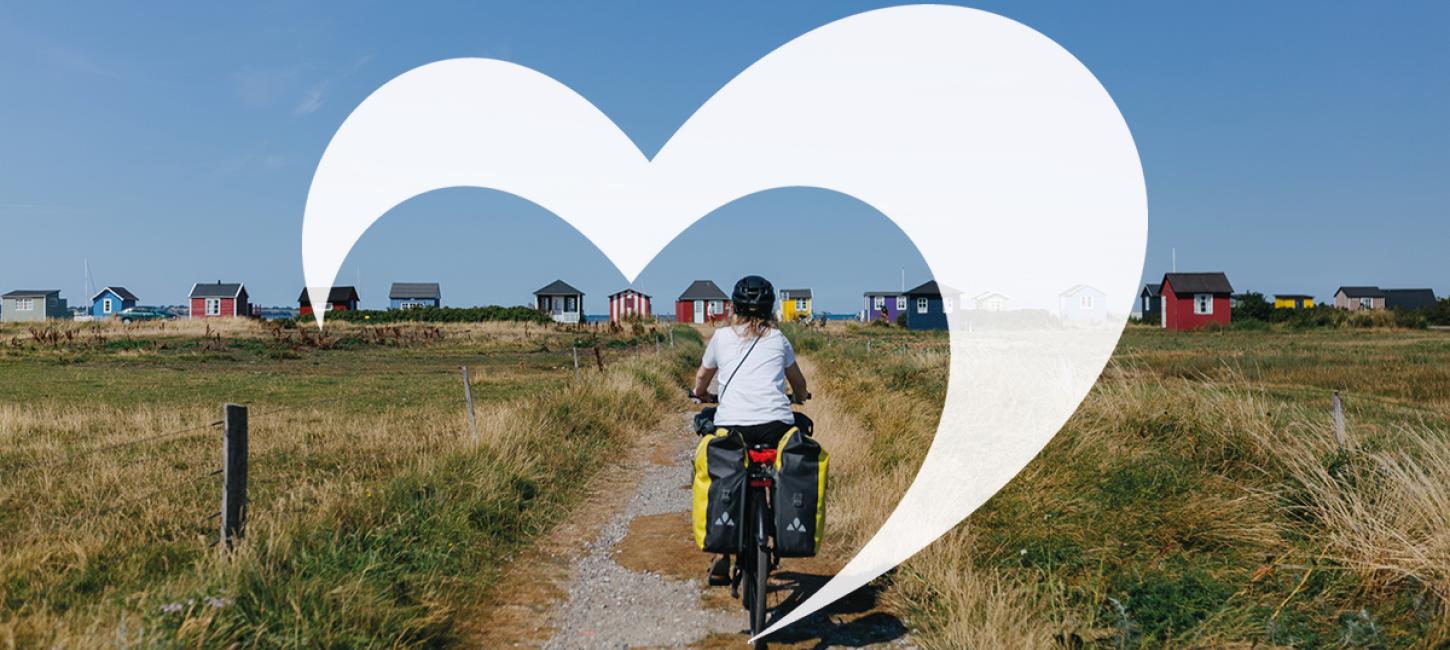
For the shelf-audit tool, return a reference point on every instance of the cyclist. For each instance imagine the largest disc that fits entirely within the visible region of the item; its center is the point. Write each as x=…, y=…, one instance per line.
x=758, y=361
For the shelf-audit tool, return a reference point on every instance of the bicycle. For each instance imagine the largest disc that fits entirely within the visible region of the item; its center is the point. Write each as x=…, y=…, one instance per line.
x=757, y=557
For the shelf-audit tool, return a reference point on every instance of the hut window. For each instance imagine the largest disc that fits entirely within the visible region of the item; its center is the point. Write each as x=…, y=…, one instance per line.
x=24, y=304
x=901, y=303
x=213, y=307
x=946, y=305
x=106, y=306
x=1203, y=303
x=1367, y=303
x=921, y=305
x=1087, y=302
x=880, y=303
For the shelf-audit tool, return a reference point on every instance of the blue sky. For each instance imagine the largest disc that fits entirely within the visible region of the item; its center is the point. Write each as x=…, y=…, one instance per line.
x=1297, y=146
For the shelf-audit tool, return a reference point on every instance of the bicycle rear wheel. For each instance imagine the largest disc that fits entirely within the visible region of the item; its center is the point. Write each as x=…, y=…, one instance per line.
x=761, y=579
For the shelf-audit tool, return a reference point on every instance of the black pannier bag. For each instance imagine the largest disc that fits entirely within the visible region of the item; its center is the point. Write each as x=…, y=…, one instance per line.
x=705, y=421
x=800, y=494
x=805, y=424
x=719, y=492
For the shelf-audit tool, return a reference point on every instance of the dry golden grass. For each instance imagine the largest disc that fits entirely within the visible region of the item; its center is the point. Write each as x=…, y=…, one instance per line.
x=987, y=610
x=1385, y=513
x=1173, y=509
x=371, y=524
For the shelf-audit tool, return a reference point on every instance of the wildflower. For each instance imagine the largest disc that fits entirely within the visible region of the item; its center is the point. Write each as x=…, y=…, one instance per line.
x=172, y=608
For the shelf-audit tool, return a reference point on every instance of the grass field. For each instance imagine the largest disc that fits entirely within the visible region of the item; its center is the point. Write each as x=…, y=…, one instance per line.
x=1197, y=499
x=374, y=519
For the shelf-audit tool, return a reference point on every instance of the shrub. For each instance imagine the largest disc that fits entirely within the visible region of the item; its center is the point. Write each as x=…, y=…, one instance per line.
x=443, y=315
x=1253, y=306
x=1440, y=313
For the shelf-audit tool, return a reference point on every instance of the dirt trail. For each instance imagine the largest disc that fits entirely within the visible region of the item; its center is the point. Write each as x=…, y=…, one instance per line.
x=625, y=573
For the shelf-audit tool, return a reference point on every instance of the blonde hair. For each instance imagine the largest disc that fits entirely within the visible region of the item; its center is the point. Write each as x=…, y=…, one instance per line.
x=755, y=326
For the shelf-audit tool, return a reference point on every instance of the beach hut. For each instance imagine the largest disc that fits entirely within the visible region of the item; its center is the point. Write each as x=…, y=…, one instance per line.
x=1150, y=303
x=1293, y=301
x=338, y=299
x=628, y=305
x=884, y=306
x=219, y=300
x=1082, y=303
x=561, y=302
x=925, y=308
x=702, y=302
x=413, y=295
x=794, y=304
x=1411, y=299
x=1357, y=298
x=110, y=301
x=31, y=305
x=989, y=301
x=1193, y=300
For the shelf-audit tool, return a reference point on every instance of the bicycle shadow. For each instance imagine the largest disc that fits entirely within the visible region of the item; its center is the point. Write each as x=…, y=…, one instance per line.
x=857, y=620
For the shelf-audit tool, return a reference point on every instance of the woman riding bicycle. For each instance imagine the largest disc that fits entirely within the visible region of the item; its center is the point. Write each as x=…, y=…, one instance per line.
x=758, y=361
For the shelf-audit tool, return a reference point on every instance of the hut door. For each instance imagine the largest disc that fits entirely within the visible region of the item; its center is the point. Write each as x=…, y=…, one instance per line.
x=699, y=311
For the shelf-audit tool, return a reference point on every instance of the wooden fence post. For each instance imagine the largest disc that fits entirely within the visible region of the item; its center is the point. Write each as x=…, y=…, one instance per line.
x=1338, y=420
x=672, y=338
x=234, y=474
x=868, y=345
x=576, y=362
x=599, y=358
x=468, y=399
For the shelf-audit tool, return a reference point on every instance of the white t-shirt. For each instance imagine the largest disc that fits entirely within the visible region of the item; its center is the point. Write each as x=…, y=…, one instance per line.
x=756, y=395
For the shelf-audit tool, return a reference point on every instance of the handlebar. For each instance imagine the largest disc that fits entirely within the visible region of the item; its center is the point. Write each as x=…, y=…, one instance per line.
x=711, y=398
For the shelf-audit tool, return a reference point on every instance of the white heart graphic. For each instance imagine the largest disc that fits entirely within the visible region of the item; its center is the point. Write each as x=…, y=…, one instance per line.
x=995, y=150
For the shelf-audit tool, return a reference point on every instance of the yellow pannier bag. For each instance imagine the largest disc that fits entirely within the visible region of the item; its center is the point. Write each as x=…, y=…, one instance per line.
x=800, y=494
x=718, y=487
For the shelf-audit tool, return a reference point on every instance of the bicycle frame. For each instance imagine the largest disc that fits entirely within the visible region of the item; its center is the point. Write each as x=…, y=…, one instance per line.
x=760, y=478
x=757, y=556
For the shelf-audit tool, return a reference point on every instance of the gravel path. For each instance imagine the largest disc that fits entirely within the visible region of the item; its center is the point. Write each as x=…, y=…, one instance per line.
x=610, y=606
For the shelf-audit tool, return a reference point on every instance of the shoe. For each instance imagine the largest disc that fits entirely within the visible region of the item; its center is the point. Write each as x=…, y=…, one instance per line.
x=720, y=571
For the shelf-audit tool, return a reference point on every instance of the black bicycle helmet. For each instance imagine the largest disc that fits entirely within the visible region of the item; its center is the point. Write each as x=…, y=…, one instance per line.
x=753, y=296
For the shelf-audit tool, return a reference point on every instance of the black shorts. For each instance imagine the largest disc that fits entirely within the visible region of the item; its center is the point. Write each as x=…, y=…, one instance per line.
x=768, y=433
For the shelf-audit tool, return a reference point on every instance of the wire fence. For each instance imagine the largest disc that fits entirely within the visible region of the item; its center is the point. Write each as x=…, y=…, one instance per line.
x=263, y=417
x=174, y=489
x=73, y=456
